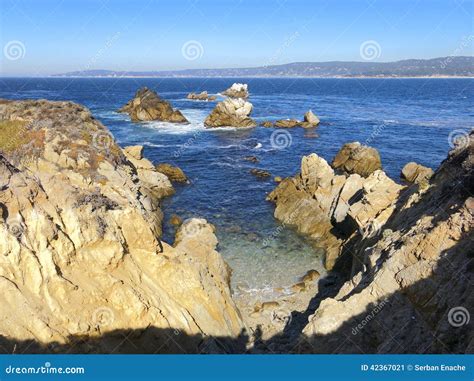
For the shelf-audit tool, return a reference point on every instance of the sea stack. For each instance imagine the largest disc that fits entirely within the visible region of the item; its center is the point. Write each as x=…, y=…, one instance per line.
x=232, y=112
x=148, y=106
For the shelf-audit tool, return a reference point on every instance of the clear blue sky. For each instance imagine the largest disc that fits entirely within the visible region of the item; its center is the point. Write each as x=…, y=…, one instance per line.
x=54, y=36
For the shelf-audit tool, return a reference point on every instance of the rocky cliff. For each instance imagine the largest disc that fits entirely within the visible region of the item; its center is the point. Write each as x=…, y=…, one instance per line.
x=80, y=249
x=405, y=253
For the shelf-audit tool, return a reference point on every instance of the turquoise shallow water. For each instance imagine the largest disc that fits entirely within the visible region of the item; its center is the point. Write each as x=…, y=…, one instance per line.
x=405, y=119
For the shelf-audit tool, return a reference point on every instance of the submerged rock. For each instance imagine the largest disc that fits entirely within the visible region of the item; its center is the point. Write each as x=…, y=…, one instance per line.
x=252, y=159
x=287, y=123
x=260, y=173
x=147, y=106
x=175, y=174
x=231, y=113
x=416, y=173
x=237, y=90
x=357, y=158
x=266, y=124
x=202, y=96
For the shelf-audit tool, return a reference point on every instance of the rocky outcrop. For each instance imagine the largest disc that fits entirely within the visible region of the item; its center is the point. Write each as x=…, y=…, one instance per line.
x=405, y=253
x=231, y=113
x=81, y=258
x=287, y=123
x=175, y=174
x=416, y=173
x=148, y=106
x=357, y=158
x=310, y=120
x=202, y=96
x=319, y=203
x=237, y=90
x=408, y=290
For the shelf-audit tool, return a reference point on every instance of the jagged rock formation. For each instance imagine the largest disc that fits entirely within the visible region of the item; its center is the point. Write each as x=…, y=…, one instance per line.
x=318, y=202
x=408, y=268
x=231, y=113
x=146, y=105
x=175, y=174
x=416, y=173
x=80, y=248
x=357, y=158
x=202, y=96
x=310, y=120
x=237, y=90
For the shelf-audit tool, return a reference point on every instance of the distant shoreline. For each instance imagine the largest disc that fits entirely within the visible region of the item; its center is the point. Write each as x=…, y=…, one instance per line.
x=237, y=77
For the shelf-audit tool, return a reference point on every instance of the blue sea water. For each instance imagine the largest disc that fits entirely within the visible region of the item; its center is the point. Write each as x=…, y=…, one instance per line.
x=405, y=119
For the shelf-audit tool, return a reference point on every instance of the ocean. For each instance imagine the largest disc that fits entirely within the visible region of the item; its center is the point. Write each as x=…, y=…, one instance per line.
x=405, y=119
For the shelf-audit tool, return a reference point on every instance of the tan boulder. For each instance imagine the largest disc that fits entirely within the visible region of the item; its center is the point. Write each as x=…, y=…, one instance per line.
x=175, y=174
x=357, y=158
x=416, y=173
x=231, y=113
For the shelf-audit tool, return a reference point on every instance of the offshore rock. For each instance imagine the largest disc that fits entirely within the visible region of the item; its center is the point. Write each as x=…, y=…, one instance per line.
x=147, y=106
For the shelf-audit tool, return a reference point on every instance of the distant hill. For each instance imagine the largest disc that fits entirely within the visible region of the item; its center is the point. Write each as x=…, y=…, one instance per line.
x=443, y=66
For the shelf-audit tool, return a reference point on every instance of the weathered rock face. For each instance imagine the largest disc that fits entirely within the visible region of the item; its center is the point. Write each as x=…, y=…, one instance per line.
x=409, y=287
x=148, y=106
x=318, y=202
x=287, y=123
x=357, y=158
x=175, y=174
x=310, y=120
x=80, y=249
x=237, y=90
x=231, y=113
x=416, y=173
x=202, y=96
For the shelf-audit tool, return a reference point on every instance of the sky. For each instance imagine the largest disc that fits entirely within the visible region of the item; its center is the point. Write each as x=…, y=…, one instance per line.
x=42, y=37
